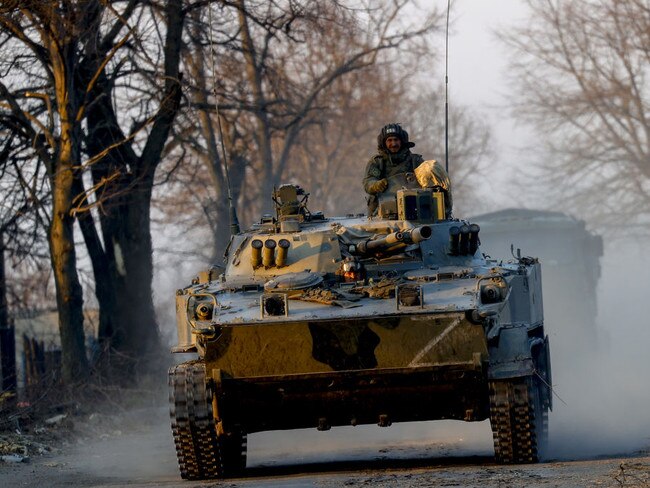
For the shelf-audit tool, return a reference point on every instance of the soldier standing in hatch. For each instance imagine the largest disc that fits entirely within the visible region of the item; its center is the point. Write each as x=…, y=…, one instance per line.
x=393, y=157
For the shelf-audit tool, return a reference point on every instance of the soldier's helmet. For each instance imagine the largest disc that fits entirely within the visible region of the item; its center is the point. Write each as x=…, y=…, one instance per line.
x=393, y=130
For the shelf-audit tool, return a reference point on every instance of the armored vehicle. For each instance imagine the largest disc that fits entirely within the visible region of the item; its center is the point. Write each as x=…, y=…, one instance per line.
x=322, y=321
x=571, y=256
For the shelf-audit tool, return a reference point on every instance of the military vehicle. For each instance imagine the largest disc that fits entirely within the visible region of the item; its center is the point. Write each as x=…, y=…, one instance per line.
x=571, y=256
x=322, y=321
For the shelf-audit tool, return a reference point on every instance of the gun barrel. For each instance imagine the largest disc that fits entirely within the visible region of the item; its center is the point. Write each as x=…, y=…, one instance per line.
x=394, y=242
x=418, y=234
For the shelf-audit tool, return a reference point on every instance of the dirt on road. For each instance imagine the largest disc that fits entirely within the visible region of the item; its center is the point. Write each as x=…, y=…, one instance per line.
x=137, y=450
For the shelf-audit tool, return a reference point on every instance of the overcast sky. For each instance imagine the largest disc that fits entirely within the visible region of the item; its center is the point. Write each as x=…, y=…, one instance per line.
x=477, y=60
x=478, y=64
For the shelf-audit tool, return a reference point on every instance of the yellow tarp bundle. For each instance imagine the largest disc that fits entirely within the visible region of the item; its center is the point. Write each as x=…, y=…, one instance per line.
x=429, y=174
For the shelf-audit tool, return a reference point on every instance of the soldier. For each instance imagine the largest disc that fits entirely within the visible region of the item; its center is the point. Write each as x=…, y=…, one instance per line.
x=393, y=157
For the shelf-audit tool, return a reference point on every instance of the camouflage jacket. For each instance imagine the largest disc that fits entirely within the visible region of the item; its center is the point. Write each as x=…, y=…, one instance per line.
x=383, y=165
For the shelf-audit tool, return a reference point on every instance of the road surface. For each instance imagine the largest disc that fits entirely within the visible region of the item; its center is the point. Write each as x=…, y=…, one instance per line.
x=139, y=453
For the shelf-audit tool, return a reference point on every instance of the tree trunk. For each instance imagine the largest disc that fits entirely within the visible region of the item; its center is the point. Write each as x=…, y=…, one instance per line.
x=137, y=330
x=69, y=295
x=263, y=133
x=124, y=268
x=133, y=239
x=104, y=282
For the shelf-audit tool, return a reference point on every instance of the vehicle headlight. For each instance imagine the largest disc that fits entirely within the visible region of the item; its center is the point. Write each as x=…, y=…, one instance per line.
x=493, y=292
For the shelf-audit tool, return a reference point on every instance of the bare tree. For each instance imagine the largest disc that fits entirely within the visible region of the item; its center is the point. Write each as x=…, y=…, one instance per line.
x=47, y=33
x=581, y=67
x=97, y=70
x=23, y=225
x=133, y=103
x=277, y=65
x=303, y=85
x=331, y=156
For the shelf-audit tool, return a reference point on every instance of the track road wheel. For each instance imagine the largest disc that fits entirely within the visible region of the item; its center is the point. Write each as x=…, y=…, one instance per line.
x=201, y=452
x=519, y=420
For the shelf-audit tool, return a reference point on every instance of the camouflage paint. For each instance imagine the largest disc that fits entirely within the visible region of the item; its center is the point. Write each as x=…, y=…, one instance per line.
x=345, y=345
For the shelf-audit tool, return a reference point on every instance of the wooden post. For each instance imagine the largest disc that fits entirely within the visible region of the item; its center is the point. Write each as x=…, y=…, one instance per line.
x=7, y=340
x=33, y=361
x=8, y=358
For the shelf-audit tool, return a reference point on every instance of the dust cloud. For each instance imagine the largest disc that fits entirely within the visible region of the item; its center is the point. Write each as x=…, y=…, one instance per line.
x=601, y=370
x=141, y=449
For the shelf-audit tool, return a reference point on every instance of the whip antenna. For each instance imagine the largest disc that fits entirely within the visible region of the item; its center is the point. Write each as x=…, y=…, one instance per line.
x=234, y=222
x=447, y=91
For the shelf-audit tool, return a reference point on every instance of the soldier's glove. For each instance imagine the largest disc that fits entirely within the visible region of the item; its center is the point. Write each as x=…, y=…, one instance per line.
x=379, y=186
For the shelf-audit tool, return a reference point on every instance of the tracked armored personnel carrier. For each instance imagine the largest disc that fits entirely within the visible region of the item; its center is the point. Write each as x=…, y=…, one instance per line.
x=329, y=321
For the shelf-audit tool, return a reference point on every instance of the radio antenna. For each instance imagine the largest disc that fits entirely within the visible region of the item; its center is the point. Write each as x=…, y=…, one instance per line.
x=234, y=222
x=447, y=91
